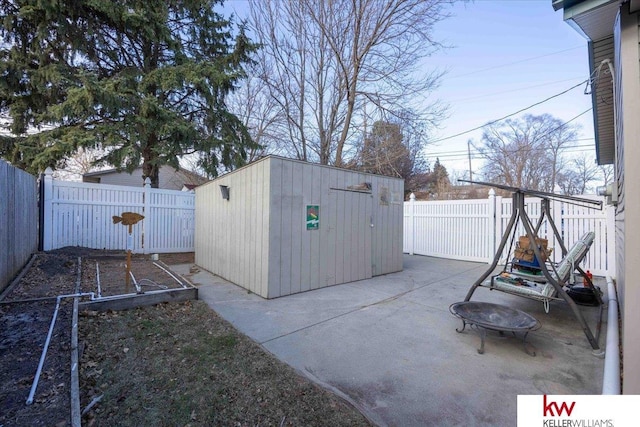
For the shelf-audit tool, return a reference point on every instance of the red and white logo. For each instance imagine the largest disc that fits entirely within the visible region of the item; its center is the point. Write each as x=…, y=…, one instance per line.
x=553, y=409
x=577, y=410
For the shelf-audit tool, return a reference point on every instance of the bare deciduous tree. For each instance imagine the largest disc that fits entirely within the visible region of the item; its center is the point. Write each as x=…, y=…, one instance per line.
x=259, y=113
x=84, y=160
x=384, y=153
x=525, y=152
x=322, y=61
x=576, y=178
x=393, y=147
x=607, y=173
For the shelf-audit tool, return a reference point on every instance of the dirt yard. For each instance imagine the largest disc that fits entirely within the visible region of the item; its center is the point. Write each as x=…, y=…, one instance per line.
x=169, y=364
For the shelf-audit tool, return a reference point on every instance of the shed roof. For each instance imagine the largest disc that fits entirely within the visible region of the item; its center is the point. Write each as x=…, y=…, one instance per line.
x=274, y=156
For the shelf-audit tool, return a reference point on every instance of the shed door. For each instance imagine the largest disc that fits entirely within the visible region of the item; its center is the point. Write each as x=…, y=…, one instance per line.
x=349, y=242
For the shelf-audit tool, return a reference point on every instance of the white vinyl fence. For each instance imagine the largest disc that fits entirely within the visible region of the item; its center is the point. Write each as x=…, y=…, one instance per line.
x=80, y=214
x=471, y=230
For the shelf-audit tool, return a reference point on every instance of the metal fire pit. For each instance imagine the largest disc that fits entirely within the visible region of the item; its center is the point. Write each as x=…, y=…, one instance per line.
x=484, y=316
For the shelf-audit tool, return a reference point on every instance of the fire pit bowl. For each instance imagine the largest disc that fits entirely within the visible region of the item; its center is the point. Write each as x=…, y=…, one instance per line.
x=485, y=316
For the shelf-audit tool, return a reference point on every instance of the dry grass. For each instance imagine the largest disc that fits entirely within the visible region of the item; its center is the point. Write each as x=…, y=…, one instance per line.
x=181, y=364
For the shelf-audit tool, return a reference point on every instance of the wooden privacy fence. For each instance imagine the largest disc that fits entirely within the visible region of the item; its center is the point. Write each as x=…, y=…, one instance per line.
x=18, y=220
x=471, y=230
x=80, y=214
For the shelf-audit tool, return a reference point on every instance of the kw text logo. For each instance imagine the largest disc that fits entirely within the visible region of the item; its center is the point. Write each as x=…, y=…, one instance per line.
x=552, y=409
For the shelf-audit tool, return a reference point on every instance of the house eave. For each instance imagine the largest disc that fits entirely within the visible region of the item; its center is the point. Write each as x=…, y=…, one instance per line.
x=602, y=99
x=595, y=20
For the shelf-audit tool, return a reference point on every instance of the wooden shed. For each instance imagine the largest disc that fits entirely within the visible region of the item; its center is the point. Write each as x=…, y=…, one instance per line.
x=280, y=226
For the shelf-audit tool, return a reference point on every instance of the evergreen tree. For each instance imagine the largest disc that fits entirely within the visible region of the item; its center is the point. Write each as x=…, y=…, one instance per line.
x=439, y=180
x=384, y=153
x=145, y=80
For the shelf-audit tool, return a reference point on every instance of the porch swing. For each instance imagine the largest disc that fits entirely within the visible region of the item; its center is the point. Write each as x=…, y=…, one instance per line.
x=523, y=275
x=541, y=280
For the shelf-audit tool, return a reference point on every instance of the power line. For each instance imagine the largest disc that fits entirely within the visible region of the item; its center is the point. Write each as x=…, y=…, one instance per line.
x=544, y=135
x=478, y=155
x=513, y=114
x=461, y=152
x=550, y=131
x=490, y=94
x=455, y=76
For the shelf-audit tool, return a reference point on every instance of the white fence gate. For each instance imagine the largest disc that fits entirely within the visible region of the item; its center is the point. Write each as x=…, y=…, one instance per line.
x=80, y=214
x=471, y=230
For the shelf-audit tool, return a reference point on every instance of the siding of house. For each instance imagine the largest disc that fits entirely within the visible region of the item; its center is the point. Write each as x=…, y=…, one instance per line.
x=628, y=152
x=168, y=179
x=619, y=167
x=171, y=179
x=133, y=179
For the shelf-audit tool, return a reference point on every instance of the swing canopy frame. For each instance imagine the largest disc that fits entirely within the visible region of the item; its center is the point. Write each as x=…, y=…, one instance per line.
x=554, y=277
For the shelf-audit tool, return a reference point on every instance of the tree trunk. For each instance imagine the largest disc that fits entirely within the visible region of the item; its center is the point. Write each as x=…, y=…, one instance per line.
x=150, y=167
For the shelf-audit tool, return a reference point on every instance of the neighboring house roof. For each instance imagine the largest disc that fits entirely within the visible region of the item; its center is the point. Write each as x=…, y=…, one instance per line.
x=595, y=19
x=168, y=178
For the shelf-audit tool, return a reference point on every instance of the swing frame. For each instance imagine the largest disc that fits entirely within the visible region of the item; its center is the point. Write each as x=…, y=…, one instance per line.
x=519, y=214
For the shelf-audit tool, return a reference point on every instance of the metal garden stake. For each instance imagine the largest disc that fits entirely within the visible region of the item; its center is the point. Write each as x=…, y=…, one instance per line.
x=128, y=218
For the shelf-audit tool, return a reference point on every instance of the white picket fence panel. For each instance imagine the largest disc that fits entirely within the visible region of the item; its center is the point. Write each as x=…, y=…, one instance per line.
x=471, y=230
x=80, y=214
x=456, y=229
x=171, y=227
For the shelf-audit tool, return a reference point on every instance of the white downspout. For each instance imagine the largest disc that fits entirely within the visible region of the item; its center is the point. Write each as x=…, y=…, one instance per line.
x=611, y=379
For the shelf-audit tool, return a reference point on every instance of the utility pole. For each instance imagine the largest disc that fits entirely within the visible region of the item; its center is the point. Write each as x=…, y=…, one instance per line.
x=469, y=153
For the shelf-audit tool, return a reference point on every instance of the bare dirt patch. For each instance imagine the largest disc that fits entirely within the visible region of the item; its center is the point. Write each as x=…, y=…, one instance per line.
x=148, y=275
x=170, y=364
x=25, y=317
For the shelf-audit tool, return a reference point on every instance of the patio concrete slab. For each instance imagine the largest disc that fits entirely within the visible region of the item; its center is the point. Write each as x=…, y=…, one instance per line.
x=389, y=344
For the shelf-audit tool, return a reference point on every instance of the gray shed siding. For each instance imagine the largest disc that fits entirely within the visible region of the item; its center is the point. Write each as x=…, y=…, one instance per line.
x=359, y=235
x=232, y=236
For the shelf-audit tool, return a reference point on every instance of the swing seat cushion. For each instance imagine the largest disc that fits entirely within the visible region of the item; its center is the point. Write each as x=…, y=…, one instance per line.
x=515, y=285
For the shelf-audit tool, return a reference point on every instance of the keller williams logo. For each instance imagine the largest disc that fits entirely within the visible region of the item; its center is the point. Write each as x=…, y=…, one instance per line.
x=551, y=409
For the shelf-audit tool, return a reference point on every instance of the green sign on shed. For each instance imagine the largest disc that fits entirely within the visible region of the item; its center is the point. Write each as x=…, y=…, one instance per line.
x=313, y=217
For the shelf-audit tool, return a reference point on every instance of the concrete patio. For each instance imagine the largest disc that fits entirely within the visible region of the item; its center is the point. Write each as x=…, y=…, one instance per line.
x=389, y=344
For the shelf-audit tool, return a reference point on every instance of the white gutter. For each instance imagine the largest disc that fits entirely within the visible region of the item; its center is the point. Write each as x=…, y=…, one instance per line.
x=611, y=379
